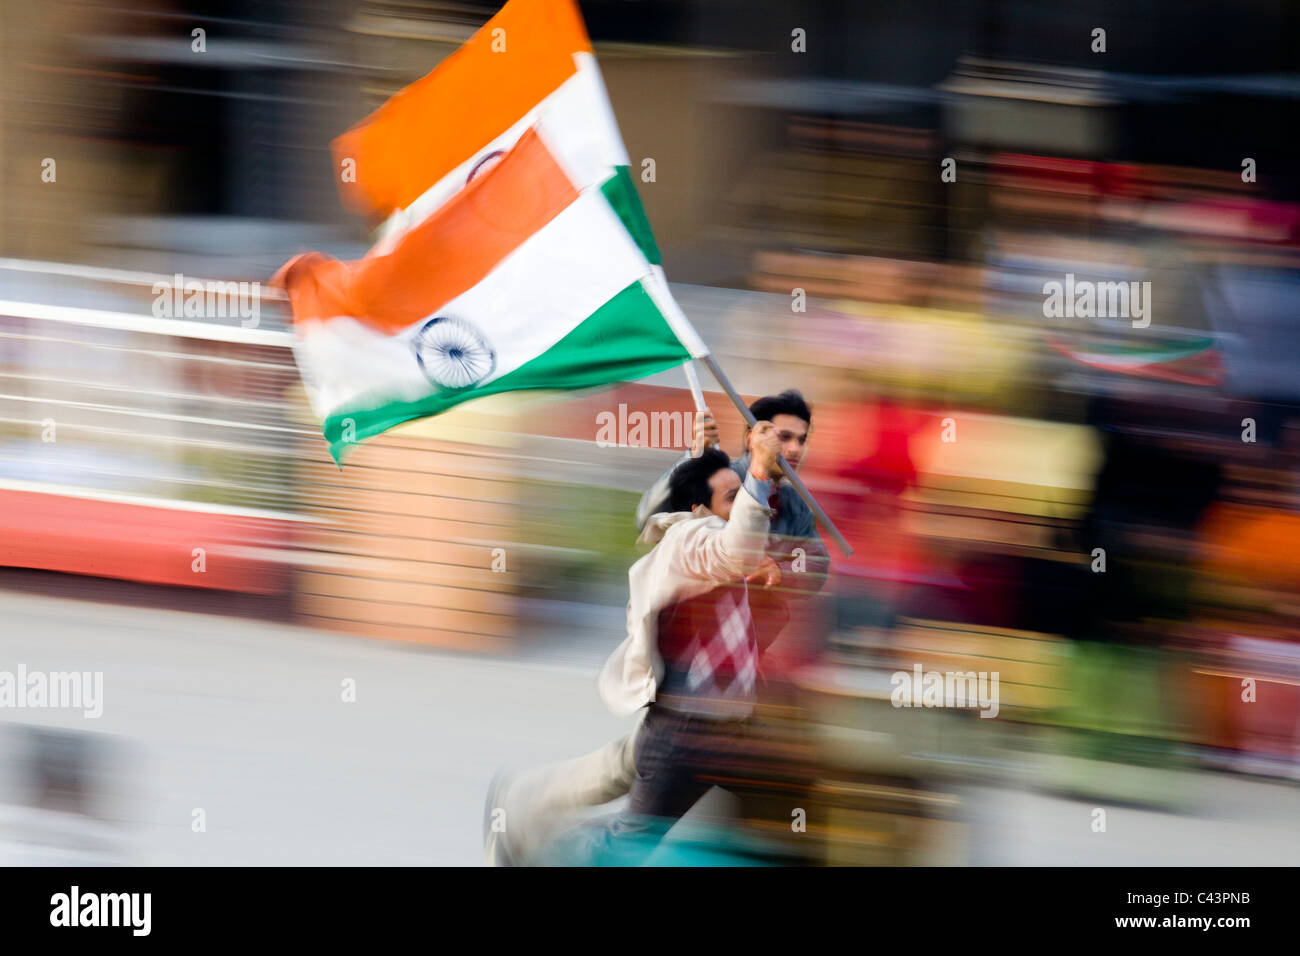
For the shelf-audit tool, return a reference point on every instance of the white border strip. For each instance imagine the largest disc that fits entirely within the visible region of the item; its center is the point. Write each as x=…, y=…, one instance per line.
x=131, y=322
x=101, y=274
x=96, y=494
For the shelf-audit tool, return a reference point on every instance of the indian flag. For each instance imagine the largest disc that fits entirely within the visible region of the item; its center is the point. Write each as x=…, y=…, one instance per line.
x=514, y=254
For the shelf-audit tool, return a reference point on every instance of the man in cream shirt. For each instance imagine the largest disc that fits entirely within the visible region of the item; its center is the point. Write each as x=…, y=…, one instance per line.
x=688, y=663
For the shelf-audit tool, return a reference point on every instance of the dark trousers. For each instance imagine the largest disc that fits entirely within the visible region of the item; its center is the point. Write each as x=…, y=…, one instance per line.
x=676, y=756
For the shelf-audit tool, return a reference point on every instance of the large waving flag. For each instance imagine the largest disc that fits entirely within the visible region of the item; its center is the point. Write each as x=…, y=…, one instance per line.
x=515, y=252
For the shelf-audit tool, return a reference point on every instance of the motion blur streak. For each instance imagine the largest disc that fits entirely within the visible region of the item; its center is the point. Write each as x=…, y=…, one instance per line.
x=1040, y=294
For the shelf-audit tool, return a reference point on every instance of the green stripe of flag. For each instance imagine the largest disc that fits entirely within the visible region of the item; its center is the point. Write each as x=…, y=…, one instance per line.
x=621, y=192
x=626, y=338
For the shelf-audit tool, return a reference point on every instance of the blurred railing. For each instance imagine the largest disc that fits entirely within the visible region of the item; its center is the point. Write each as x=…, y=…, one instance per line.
x=181, y=451
x=122, y=402
x=141, y=446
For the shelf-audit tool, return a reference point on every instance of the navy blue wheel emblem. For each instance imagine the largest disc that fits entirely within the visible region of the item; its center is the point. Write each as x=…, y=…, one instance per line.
x=452, y=353
x=486, y=161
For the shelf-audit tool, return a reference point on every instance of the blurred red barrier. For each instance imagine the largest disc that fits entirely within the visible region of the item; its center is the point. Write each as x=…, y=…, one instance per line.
x=155, y=545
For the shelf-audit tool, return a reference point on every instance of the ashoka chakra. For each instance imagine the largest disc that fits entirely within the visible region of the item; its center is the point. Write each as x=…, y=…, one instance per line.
x=452, y=353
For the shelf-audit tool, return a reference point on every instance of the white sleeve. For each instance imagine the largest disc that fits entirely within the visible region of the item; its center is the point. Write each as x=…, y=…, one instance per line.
x=735, y=550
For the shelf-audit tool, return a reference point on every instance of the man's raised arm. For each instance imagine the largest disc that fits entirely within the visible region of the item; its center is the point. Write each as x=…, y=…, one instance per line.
x=729, y=553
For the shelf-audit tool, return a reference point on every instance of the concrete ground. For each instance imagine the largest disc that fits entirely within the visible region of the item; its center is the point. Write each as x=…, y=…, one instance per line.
x=245, y=720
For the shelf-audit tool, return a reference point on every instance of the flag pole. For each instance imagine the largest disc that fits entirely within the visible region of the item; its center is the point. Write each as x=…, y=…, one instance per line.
x=697, y=393
x=686, y=334
x=693, y=381
x=795, y=482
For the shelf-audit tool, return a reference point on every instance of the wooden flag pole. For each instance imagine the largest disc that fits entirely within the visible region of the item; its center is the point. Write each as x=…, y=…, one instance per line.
x=789, y=472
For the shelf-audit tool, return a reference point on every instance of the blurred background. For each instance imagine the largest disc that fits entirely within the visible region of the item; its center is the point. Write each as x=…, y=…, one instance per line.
x=862, y=201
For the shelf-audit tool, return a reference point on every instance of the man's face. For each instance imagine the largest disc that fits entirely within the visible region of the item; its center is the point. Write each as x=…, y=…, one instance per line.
x=724, y=484
x=793, y=433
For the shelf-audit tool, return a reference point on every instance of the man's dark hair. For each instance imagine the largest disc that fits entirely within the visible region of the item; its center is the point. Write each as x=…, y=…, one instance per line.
x=789, y=402
x=688, y=485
